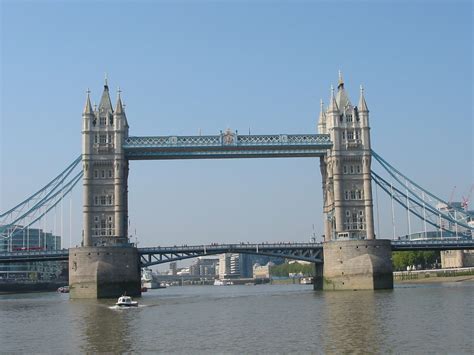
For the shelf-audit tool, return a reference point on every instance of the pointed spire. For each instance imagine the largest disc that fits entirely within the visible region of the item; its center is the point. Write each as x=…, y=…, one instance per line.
x=105, y=102
x=88, y=106
x=322, y=113
x=322, y=119
x=332, y=102
x=119, y=106
x=340, y=81
x=362, y=104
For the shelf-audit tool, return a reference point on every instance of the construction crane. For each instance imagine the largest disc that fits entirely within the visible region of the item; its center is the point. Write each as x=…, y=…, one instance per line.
x=465, y=200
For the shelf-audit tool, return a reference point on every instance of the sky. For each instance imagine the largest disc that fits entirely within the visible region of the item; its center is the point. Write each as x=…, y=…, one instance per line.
x=191, y=66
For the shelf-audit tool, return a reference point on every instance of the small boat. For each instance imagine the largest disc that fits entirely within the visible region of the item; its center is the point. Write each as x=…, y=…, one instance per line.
x=218, y=282
x=63, y=289
x=126, y=301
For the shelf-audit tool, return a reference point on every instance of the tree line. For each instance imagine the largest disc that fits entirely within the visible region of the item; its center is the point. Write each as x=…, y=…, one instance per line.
x=400, y=261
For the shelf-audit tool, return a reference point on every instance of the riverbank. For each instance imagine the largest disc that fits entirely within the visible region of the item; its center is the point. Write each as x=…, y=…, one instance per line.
x=438, y=279
x=434, y=275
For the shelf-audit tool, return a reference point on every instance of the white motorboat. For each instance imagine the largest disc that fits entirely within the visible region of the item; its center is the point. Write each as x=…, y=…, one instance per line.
x=126, y=301
x=218, y=282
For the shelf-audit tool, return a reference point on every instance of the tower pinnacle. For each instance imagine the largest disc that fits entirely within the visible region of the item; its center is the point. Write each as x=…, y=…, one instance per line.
x=119, y=106
x=332, y=102
x=88, y=106
x=340, y=81
x=362, y=104
x=105, y=104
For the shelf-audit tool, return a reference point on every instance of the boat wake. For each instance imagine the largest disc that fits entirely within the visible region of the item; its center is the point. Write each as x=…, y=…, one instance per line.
x=126, y=308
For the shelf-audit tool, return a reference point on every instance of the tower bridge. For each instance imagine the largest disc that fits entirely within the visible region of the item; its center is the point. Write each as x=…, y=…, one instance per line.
x=106, y=264
x=342, y=146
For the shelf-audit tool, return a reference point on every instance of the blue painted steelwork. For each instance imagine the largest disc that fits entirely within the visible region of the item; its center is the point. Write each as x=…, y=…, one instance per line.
x=40, y=203
x=423, y=196
x=31, y=256
x=439, y=244
x=425, y=211
x=227, y=145
x=299, y=251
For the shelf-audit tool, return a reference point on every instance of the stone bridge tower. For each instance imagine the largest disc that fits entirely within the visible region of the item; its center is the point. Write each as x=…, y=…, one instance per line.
x=106, y=265
x=353, y=258
x=105, y=172
x=347, y=184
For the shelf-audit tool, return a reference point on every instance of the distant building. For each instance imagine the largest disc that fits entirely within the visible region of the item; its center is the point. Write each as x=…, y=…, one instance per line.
x=457, y=258
x=31, y=239
x=204, y=267
x=262, y=272
x=229, y=266
x=453, y=228
x=173, y=268
x=241, y=265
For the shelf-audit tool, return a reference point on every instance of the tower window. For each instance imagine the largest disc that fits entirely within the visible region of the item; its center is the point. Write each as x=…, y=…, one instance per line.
x=102, y=121
x=352, y=169
x=96, y=174
x=359, y=195
x=102, y=200
x=350, y=135
x=357, y=134
x=353, y=196
x=103, y=174
x=344, y=169
x=109, y=200
x=96, y=200
x=358, y=169
x=103, y=139
x=343, y=135
x=346, y=195
x=110, y=173
x=96, y=139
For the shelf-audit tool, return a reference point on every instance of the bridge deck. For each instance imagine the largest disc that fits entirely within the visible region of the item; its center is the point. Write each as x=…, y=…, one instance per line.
x=298, y=251
x=227, y=145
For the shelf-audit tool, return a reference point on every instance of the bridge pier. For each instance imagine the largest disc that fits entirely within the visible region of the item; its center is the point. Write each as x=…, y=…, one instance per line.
x=355, y=265
x=104, y=272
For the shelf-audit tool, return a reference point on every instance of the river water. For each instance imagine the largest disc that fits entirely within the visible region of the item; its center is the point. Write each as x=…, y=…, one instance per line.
x=414, y=318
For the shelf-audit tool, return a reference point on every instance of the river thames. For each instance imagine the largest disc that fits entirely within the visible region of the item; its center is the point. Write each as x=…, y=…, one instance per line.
x=412, y=318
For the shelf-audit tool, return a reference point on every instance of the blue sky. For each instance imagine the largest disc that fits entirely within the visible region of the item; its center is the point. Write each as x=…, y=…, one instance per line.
x=190, y=66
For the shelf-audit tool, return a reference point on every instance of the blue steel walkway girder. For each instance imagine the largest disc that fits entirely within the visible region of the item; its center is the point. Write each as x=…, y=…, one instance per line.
x=227, y=145
x=299, y=251
x=431, y=244
x=311, y=252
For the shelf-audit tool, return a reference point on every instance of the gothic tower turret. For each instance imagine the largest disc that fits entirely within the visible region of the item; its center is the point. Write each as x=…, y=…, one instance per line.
x=346, y=169
x=105, y=172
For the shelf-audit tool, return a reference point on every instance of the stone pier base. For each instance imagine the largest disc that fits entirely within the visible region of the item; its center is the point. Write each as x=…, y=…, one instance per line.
x=104, y=272
x=357, y=265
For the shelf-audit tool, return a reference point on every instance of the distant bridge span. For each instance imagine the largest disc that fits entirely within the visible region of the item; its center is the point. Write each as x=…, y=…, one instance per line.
x=298, y=251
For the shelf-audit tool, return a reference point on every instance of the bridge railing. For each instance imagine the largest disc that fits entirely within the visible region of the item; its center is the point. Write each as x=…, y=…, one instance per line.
x=227, y=140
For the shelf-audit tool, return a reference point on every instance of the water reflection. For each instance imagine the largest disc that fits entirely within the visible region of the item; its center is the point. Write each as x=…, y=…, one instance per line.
x=350, y=322
x=103, y=329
